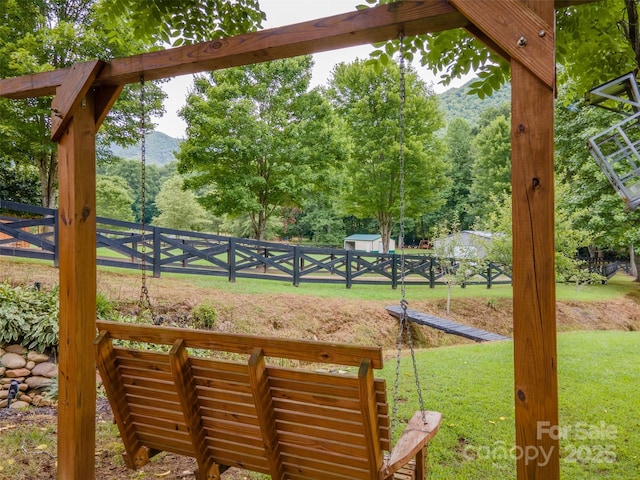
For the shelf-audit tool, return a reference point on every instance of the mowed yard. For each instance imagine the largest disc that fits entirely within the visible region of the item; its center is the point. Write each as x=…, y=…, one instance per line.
x=472, y=384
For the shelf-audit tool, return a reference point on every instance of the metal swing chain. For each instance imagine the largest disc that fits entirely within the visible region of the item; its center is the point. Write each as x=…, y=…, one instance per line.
x=404, y=327
x=144, y=301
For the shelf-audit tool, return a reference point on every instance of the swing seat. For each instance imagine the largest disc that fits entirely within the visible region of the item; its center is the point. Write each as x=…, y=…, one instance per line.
x=237, y=410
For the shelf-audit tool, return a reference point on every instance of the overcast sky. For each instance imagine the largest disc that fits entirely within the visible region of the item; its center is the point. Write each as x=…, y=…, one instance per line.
x=281, y=12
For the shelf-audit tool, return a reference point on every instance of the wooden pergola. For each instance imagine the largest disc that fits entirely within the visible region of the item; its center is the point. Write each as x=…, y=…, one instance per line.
x=521, y=31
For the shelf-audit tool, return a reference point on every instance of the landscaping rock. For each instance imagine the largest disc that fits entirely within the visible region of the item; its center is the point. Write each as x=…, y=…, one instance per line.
x=18, y=372
x=19, y=349
x=19, y=404
x=2, y=370
x=30, y=364
x=37, y=357
x=12, y=360
x=38, y=382
x=7, y=380
x=45, y=369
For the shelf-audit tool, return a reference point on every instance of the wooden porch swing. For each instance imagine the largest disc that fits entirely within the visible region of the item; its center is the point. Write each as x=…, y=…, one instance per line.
x=521, y=31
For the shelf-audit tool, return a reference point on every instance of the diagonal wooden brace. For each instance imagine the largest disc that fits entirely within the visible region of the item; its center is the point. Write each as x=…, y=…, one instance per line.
x=69, y=95
x=518, y=31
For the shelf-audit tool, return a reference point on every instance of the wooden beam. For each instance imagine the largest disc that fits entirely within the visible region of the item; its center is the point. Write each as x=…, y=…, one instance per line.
x=263, y=401
x=77, y=240
x=359, y=27
x=105, y=98
x=186, y=389
x=517, y=30
x=71, y=93
x=304, y=350
x=371, y=25
x=534, y=294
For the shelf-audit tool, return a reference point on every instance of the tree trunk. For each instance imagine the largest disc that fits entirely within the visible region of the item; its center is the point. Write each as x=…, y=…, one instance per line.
x=631, y=28
x=48, y=171
x=632, y=262
x=386, y=224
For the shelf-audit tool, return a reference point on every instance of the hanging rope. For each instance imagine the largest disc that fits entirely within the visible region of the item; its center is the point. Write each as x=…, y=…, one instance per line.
x=403, y=327
x=144, y=302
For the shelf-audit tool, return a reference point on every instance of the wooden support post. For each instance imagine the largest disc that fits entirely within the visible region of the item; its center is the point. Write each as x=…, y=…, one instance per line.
x=534, y=295
x=77, y=236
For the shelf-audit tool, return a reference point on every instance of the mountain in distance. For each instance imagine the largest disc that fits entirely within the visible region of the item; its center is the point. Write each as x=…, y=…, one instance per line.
x=159, y=148
x=457, y=103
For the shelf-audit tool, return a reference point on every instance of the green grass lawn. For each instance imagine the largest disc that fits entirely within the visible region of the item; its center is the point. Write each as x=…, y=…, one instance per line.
x=473, y=387
x=620, y=285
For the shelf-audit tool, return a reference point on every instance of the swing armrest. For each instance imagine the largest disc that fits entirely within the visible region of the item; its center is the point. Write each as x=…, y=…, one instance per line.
x=414, y=438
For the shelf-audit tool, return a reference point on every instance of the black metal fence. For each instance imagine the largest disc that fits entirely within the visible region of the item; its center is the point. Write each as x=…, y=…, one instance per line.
x=124, y=245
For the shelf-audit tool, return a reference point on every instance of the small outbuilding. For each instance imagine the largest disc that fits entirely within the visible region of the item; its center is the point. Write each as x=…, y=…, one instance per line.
x=464, y=244
x=367, y=242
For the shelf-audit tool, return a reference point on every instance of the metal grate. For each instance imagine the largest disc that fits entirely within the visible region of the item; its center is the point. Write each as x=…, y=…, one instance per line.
x=616, y=149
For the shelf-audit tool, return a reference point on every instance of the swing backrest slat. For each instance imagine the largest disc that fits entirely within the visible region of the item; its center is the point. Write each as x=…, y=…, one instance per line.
x=236, y=411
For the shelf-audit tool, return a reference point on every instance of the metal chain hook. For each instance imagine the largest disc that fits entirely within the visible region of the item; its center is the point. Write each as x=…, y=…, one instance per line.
x=404, y=327
x=144, y=301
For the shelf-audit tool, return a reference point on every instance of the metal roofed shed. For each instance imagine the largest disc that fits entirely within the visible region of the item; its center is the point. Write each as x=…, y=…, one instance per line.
x=367, y=242
x=464, y=244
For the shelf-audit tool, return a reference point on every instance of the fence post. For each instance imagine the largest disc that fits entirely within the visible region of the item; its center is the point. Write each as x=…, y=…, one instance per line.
x=394, y=272
x=231, y=260
x=296, y=266
x=489, y=276
x=156, y=252
x=56, y=246
x=348, y=268
x=432, y=274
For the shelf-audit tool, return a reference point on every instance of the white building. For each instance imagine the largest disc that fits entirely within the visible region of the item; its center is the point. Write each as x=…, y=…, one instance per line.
x=367, y=242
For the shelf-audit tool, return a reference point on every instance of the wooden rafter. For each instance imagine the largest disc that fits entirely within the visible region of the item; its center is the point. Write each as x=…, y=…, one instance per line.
x=521, y=34
x=340, y=31
x=70, y=94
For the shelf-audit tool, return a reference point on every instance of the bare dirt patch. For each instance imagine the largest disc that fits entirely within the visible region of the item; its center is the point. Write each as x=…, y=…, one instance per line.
x=287, y=315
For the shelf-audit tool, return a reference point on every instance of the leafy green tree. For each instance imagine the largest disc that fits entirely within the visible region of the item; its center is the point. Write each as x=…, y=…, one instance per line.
x=186, y=21
x=18, y=183
x=113, y=198
x=179, y=208
x=258, y=140
x=45, y=35
x=320, y=221
x=369, y=102
x=595, y=204
x=131, y=170
x=594, y=44
x=491, y=167
x=458, y=139
x=457, y=261
x=569, y=236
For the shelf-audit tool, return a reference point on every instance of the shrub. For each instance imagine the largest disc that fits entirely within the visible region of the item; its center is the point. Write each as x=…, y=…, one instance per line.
x=204, y=316
x=29, y=316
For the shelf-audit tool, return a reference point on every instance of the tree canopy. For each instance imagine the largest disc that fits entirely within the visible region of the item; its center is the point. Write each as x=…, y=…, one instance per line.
x=258, y=139
x=369, y=101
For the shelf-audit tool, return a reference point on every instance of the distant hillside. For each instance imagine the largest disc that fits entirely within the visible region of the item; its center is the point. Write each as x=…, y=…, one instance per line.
x=159, y=149
x=457, y=103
